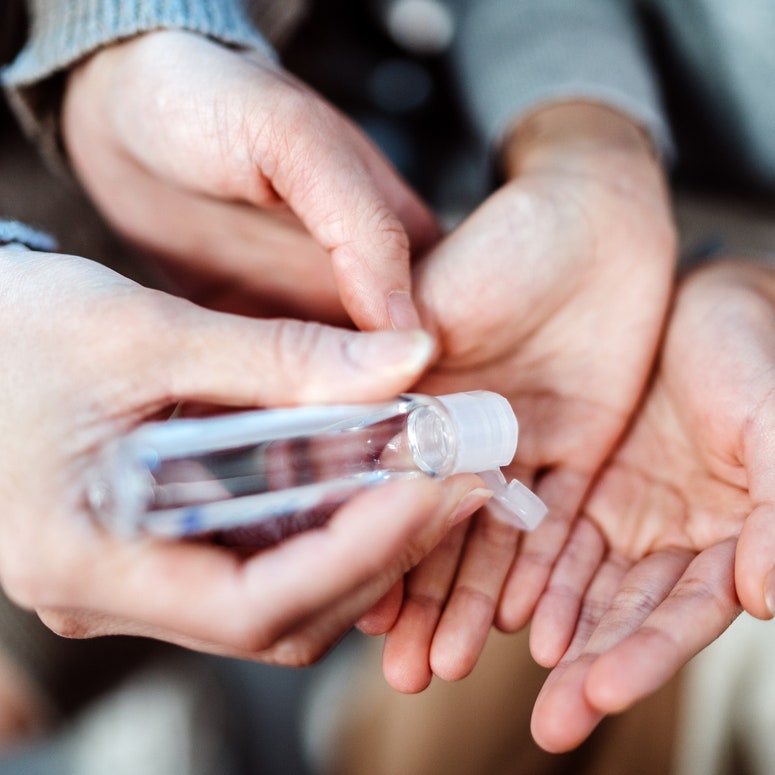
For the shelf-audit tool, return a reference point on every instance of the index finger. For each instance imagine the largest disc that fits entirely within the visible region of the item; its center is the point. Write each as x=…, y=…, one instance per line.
x=353, y=203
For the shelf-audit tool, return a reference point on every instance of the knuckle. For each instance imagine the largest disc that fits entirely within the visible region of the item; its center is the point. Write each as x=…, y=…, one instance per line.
x=278, y=142
x=425, y=601
x=386, y=223
x=477, y=598
x=563, y=591
x=375, y=233
x=592, y=611
x=294, y=346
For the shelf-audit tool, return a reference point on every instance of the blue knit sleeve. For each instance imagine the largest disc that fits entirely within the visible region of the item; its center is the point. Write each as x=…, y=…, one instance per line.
x=13, y=233
x=65, y=31
x=512, y=56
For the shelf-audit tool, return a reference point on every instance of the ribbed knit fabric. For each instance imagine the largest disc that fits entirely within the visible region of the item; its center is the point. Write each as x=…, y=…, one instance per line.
x=513, y=55
x=65, y=31
x=15, y=233
x=713, y=61
x=723, y=74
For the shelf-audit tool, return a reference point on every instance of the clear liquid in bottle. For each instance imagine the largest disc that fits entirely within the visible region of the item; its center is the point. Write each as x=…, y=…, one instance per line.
x=257, y=477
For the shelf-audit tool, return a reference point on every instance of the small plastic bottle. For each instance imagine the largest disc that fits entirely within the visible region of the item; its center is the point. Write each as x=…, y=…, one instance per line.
x=256, y=477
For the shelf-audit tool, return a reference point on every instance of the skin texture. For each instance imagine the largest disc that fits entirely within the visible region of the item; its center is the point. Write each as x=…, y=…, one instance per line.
x=255, y=193
x=675, y=534
x=680, y=521
x=114, y=353
x=655, y=478
x=553, y=292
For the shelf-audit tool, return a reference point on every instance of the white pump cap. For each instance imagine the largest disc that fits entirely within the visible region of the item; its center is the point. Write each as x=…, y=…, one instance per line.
x=486, y=430
x=487, y=433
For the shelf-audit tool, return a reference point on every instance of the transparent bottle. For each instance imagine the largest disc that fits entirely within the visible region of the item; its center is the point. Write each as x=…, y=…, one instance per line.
x=256, y=477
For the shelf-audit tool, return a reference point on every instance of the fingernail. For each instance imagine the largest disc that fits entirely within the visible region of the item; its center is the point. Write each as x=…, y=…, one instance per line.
x=403, y=313
x=471, y=503
x=769, y=592
x=407, y=351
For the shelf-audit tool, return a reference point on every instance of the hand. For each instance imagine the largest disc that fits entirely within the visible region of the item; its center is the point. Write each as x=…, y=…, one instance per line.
x=88, y=354
x=553, y=293
x=655, y=568
x=259, y=195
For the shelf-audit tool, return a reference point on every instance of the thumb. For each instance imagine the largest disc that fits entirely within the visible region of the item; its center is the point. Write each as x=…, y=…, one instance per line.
x=755, y=562
x=226, y=359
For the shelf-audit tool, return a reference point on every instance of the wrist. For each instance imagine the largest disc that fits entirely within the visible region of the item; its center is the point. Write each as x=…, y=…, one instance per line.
x=575, y=136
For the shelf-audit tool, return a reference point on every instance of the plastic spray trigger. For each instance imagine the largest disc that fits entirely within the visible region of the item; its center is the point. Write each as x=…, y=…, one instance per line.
x=512, y=502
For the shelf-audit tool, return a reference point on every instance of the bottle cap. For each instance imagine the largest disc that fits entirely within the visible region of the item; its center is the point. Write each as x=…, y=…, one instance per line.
x=486, y=429
x=487, y=432
x=512, y=502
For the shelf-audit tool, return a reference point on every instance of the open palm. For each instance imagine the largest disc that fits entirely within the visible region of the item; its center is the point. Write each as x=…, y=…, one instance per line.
x=655, y=567
x=553, y=293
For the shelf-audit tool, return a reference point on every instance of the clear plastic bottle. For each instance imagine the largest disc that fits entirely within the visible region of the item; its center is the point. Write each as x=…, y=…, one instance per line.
x=255, y=477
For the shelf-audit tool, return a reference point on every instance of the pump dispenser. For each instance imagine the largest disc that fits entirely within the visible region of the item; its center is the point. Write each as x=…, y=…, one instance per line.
x=255, y=477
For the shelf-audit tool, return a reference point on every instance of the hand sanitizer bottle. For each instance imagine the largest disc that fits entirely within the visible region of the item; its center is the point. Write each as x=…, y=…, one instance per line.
x=256, y=477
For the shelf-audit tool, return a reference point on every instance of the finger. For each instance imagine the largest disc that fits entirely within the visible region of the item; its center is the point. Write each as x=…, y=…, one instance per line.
x=218, y=358
x=301, y=645
x=314, y=159
x=556, y=614
x=470, y=610
x=360, y=599
x=615, y=606
x=211, y=245
x=421, y=225
x=698, y=609
x=246, y=606
x=755, y=562
x=562, y=491
x=406, y=654
x=562, y=717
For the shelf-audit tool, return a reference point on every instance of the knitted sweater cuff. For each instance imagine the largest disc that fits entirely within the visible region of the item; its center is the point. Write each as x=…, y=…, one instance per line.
x=13, y=233
x=513, y=57
x=63, y=32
